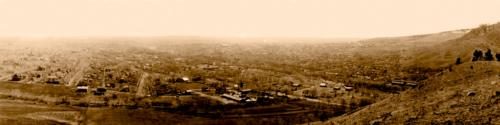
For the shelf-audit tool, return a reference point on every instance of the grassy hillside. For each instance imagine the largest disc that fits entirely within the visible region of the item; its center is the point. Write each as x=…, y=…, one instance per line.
x=407, y=45
x=463, y=94
x=441, y=99
x=444, y=54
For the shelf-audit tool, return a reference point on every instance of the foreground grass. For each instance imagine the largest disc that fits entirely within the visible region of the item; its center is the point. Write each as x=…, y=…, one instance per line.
x=52, y=94
x=19, y=112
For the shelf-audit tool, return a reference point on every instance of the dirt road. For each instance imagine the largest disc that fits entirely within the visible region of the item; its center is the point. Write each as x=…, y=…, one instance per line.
x=82, y=65
x=218, y=98
x=141, y=89
x=300, y=91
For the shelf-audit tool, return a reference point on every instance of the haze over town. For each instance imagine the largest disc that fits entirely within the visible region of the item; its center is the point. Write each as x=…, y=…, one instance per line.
x=242, y=18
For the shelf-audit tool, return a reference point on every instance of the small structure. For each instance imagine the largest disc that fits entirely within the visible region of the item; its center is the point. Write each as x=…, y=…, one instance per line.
x=245, y=91
x=185, y=79
x=322, y=84
x=180, y=79
x=376, y=122
x=398, y=82
x=250, y=100
x=405, y=83
x=52, y=80
x=411, y=83
x=336, y=88
x=471, y=93
x=348, y=88
x=96, y=103
x=264, y=98
x=280, y=94
x=232, y=97
x=310, y=93
x=295, y=85
x=189, y=92
x=125, y=89
x=100, y=91
x=197, y=78
x=110, y=85
x=220, y=90
x=122, y=80
x=82, y=89
x=204, y=89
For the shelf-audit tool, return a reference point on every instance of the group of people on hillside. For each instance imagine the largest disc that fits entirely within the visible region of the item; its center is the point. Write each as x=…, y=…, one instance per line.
x=478, y=55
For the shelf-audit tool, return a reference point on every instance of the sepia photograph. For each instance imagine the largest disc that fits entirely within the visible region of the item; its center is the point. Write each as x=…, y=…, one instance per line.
x=249, y=62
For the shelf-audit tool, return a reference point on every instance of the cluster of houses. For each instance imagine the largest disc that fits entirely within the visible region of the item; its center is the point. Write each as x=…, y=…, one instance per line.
x=249, y=96
x=242, y=96
x=337, y=86
x=333, y=88
x=82, y=90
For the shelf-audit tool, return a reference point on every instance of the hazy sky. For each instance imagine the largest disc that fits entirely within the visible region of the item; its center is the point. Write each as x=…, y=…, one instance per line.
x=285, y=18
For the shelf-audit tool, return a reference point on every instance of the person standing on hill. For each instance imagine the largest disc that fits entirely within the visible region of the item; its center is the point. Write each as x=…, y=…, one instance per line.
x=498, y=56
x=458, y=61
x=488, y=56
x=477, y=55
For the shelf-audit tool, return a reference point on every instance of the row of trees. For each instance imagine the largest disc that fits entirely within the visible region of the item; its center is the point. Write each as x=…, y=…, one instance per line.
x=478, y=55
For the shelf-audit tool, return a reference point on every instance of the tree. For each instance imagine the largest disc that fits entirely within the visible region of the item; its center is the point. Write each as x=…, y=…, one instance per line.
x=15, y=77
x=458, y=61
x=488, y=56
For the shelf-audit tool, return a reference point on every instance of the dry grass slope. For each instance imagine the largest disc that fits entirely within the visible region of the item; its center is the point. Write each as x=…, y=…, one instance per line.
x=442, y=99
x=445, y=53
x=465, y=95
